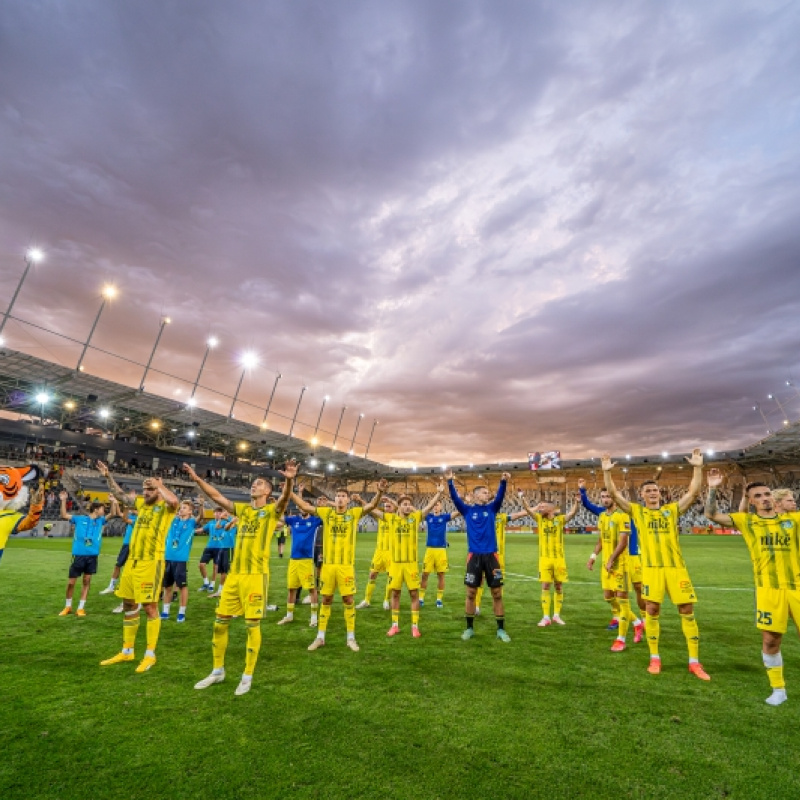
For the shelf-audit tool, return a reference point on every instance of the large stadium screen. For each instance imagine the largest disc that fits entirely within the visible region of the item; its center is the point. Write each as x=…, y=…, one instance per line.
x=550, y=459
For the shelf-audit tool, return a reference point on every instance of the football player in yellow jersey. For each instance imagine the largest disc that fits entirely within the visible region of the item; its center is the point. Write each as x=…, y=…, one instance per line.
x=663, y=568
x=552, y=563
x=140, y=584
x=615, y=532
x=381, y=558
x=500, y=523
x=784, y=501
x=244, y=593
x=339, y=528
x=773, y=540
x=404, y=547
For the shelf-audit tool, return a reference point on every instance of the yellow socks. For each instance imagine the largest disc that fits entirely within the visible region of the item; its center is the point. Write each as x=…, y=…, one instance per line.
x=440, y=596
x=692, y=634
x=350, y=618
x=624, y=617
x=153, y=629
x=614, y=603
x=478, y=596
x=219, y=641
x=253, y=645
x=414, y=617
x=370, y=591
x=324, y=616
x=774, y=665
x=388, y=594
x=395, y=617
x=653, y=629
x=558, y=601
x=545, y=603
x=290, y=608
x=130, y=625
x=422, y=595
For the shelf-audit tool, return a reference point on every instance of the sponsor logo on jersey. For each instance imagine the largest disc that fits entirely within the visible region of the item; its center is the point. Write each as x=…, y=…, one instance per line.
x=255, y=597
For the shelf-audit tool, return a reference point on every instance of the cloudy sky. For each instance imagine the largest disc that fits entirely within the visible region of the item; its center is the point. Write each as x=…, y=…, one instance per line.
x=494, y=226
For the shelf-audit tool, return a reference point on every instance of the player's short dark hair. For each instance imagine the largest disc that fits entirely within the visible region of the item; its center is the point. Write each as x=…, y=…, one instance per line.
x=651, y=482
x=342, y=490
x=754, y=485
x=266, y=479
x=404, y=497
x=476, y=488
x=94, y=506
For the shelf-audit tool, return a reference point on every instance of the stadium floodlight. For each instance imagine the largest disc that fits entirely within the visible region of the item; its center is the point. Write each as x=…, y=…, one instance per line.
x=32, y=256
x=770, y=397
x=331, y=467
x=42, y=398
x=164, y=322
x=69, y=405
x=296, y=410
x=104, y=413
x=471, y=466
x=628, y=457
x=709, y=452
x=414, y=468
x=444, y=467
x=211, y=343
x=191, y=402
x=665, y=454
x=2, y=341
x=243, y=445
x=190, y=434
x=155, y=424
x=108, y=292
x=248, y=360
x=270, y=452
x=312, y=462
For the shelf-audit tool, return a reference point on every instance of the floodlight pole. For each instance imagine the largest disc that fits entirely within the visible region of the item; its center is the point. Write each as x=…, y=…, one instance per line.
x=272, y=395
x=28, y=264
x=91, y=333
x=369, y=441
x=358, y=422
x=164, y=322
x=336, y=435
x=200, y=372
x=236, y=395
x=294, y=418
x=319, y=418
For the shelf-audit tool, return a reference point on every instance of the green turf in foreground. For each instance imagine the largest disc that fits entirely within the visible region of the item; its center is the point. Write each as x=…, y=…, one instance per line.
x=552, y=714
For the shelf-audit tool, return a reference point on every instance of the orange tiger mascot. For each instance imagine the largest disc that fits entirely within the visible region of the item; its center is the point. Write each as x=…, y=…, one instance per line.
x=14, y=495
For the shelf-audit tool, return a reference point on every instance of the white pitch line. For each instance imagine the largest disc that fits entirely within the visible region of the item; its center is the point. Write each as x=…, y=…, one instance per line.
x=523, y=578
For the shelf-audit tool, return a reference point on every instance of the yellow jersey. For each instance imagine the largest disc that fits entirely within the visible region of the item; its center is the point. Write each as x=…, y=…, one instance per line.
x=774, y=545
x=255, y=530
x=611, y=527
x=384, y=533
x=404, y=536
x=658, y=535
x=551, y=535
x=339, y=535
x=500, y=522
x=149, y=534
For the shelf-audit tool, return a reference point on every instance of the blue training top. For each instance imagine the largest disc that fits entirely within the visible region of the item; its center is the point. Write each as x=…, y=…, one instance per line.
x=229, y=538
x=480, y=520
x=87, y=536
x=633, y=539
x=179, y=539
x=216, y=534
x=304, y=534
x=126, y=539
x=437, y=529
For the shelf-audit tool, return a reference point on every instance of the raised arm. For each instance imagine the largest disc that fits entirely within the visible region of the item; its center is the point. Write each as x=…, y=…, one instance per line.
x=587, y=503
x=35, y=508
x=714, y=480
x=383, y=485
x=434, y=500
x=289, y=472
x=696, y=484
x=167, y=495
x=515, y=515
x=63, y=496
x=209, y=491
x=460, y=505
x=607, y=466
x=744, y=503
x=570, y=515
x=497, y=503
x=113, y=486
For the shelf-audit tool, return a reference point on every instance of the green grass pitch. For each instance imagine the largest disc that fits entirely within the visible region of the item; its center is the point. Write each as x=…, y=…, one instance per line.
x=552, y=714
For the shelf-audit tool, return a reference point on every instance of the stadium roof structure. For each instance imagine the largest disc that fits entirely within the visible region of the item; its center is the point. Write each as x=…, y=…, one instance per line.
x=780, y=448
x=162, y=422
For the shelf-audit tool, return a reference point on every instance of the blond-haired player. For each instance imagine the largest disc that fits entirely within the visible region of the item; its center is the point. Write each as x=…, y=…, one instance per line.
x=773, y=539
x=552, y=562
x=404, y=546
x=245, y=590
x=381, y=558
x=663, y=568
x=140, y=583
x=339, y=531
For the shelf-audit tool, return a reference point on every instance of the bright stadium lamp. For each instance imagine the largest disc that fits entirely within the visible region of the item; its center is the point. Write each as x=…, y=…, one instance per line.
x=42, y=398
x=32, y=256
x=191, y=402
x=109, y=292
x=312, y=462
x=665, y=454
x=35, y=255
x=248, y=360
x=69, y=405
x=104, y=413
x=212, y=342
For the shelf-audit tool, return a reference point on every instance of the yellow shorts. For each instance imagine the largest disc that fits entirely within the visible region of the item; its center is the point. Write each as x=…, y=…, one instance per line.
x=553, y=570
x=381, y=561
x=244, y=596
x=301, y=573
x=404, y=573
x=337, y=576
x=141, y=581
x=616, y=580
x=501, y=560
x=774, y=606
x=435, y=560
x=673, y=581
x=635, y=568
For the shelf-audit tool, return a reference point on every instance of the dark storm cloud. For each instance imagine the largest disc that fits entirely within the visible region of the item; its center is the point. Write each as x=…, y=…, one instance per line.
x=491, y=225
